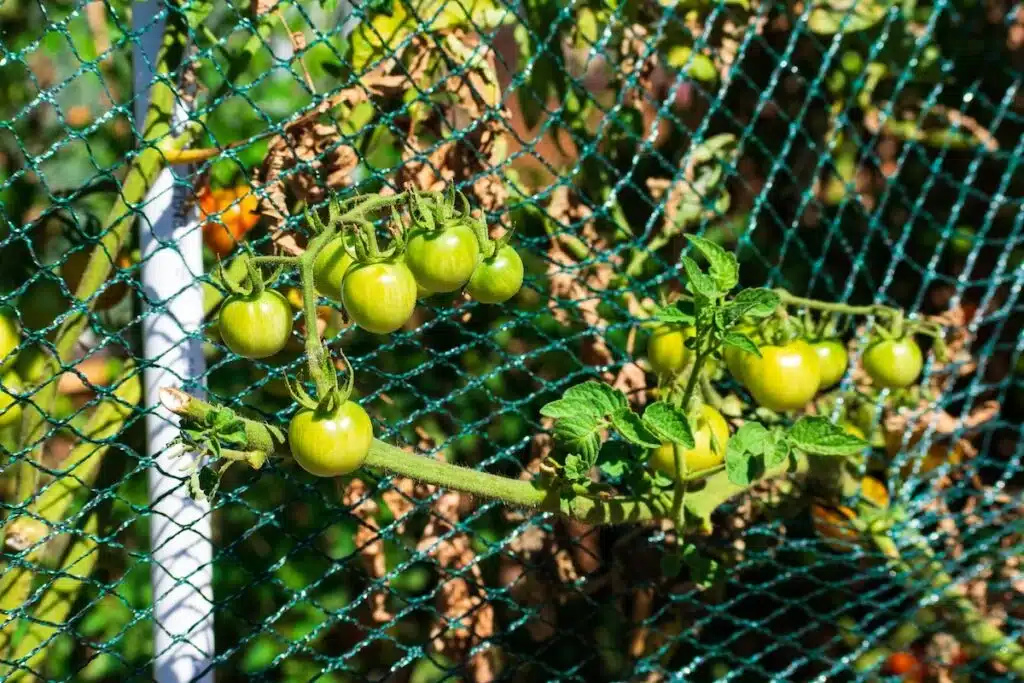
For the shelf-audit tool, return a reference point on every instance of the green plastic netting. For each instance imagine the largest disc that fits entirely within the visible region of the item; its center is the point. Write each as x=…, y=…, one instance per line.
x=860, y=152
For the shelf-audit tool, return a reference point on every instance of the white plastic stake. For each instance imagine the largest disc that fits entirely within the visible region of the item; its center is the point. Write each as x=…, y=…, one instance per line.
x=182, y=569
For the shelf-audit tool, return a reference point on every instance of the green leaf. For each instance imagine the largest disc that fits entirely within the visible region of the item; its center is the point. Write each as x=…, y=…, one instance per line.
x=669, y=422
x=696, y=281
x=724, y=269
x=576, y=469
x=753, y=303
x=744, y=456
x=777, y=447
x=614, y=459
x=673, y=314
x=563, y=408
x=631, y=427
x=741, y=342
x=845, y=16
x=704, y=570
x=602, y=397
x=580, y=436
x=821, y=436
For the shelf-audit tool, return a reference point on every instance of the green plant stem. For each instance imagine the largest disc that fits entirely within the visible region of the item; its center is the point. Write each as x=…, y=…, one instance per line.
x=788, y=299
x=971, y=624
x=545, y=495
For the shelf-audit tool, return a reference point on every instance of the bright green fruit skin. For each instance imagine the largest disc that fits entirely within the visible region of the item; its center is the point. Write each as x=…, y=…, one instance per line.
x=331, y=445
x=785, y=377
x=255, y=326
x=832, y=360
x=379, y=297
x=497, y=279
x=329, y=268
x=666, y=350
x=10, y=339
x=10, y=407
x=443, y=261
x=894, y=363
x=705, y=453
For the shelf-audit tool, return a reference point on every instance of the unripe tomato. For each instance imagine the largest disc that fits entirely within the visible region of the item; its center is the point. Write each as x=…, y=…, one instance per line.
x=255, y=326
x=10, y=339
x=893, y=363
x=497, y=279
x=667, y=350
x=784, y=377
x=444, y=260
x=329, y=268
x=74, y=267
x=710, y=436
x=379, y=297
x=10, y=407
x=832, y=360
x=331, y=444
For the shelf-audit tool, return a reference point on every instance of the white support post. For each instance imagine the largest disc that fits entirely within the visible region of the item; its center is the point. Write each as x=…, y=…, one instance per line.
x=182, y=569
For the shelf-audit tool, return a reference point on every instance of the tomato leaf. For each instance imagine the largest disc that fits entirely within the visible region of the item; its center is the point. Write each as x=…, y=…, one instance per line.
x=724, y=270
x=604, y=398
x=614, y=460
x=580, y=436
x=696, y=281
x=744, y=455
x=669, y=422
x=741, y=342
x=821, y=436
x=567, y=407
x=777, y=447
x=674, y=314
x=757, y=302
x=629, y=425
x=704, y=570
x=576, y=469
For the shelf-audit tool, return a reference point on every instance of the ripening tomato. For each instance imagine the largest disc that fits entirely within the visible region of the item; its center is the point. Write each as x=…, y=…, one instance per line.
x=74, y=266
x=667, y=350
x=497, y=279
x=904, y=664
x=443, y=260
x=330, y=267
x=255, y=326
x=331, y=444
x=379, y=297
x=832, y=360
x=893, y=363
x=784, y=377
x=223, y=233
x=10, y=339
x=10, y=407
x=710, y=436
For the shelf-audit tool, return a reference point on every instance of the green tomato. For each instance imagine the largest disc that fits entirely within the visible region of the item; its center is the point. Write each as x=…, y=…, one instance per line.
x=329, y=268
x=893, y=363
x=710, y=436
x=667, y=350
x=10, y=340
x=784, y=377
x=379, y=297
x=832, y=360
x=255, y=326
x=331, y=444
x=443, y=260
x=497, y=279
x=10, y=407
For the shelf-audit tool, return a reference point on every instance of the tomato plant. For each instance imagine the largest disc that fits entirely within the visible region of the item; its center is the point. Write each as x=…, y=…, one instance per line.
x=666, y=349
x=74, y=266
x=832, y=361
x=496, y=279
x=783, y=377
x=443, y=260
x=893, y=363
x=256, y=325
x=329, y=268
x=331, y=443
x=379, y=297
x=10, y=407
x=710, y=435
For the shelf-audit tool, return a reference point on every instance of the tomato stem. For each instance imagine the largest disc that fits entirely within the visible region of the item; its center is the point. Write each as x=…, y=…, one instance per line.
x=834, y=307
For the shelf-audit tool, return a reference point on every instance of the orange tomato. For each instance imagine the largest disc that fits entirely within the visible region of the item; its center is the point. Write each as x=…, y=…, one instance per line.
x=112, y=293
x=904, y=664
x=237, y=208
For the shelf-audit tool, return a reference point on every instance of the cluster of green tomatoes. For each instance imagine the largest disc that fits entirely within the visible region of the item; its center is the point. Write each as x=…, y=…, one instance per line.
x=440, y=251
x=784, y=376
